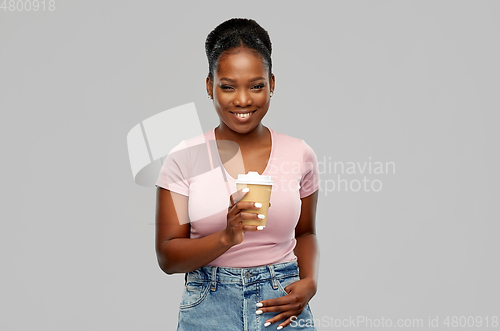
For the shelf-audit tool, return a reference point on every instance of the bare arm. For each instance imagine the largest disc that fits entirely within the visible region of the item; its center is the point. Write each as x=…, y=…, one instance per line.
x=176, y=252
x=306, y=249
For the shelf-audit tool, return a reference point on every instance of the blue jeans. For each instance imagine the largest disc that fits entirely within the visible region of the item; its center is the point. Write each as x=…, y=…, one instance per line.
x=224, y=299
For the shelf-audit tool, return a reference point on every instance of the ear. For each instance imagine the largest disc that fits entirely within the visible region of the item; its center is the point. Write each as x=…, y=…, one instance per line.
x=209, y=87
x=271, y=83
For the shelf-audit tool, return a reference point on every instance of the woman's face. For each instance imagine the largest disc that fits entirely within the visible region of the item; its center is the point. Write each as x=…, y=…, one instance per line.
x=241, y=89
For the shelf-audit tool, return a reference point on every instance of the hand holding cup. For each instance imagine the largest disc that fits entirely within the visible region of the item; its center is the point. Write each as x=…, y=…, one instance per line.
x=239, y=213
x=248, y=206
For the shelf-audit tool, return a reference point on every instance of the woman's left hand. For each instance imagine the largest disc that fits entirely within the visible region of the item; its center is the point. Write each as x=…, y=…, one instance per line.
x=299, y=294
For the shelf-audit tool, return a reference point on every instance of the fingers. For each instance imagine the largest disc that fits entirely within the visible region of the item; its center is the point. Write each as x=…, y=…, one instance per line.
x=238, y=195
x=280, y=301
x=289, y=316
x=240, y=217
x=236, y=216
x=252, y=228
x=289, y=307
x=293, y=307
x=239, y=206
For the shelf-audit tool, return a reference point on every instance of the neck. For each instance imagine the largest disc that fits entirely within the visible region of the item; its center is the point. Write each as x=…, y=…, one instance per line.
x=222, y=132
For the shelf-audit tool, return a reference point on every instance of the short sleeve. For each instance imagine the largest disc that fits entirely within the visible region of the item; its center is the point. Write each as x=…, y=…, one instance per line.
x=174, y=173
x=309, y=182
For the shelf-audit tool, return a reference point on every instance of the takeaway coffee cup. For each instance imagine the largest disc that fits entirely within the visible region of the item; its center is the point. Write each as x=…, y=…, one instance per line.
x=260, y=191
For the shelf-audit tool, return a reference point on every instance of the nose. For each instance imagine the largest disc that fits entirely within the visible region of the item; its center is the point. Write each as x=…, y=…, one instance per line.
x=242, y=98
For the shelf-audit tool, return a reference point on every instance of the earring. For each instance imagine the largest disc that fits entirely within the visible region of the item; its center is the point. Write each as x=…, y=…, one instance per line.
x=271, y=94
x=210, y=97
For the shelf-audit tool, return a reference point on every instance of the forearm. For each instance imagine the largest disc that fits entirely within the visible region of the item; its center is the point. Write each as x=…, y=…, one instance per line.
x=307, y=252
x=181, y=255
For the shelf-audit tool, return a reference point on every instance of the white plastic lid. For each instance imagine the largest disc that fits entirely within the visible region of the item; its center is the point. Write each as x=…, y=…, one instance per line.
x=253, y=177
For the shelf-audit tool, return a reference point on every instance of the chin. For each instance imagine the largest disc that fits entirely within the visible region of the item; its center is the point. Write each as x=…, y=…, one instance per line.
x=242, y=129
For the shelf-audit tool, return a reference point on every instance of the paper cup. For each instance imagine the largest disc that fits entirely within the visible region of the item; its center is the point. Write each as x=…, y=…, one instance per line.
x=260, y=191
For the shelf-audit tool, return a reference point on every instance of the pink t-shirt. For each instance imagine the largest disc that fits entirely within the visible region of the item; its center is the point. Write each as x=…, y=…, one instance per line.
x=193, y=168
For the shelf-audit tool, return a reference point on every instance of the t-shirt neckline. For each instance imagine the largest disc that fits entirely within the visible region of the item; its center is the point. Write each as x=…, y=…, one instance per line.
x=268, y=165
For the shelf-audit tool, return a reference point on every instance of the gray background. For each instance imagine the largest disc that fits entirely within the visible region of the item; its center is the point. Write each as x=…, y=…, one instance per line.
x=410, y=82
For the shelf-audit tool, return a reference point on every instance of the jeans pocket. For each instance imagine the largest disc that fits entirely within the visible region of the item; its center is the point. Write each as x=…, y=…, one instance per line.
x=195, y=291
x=284, y=282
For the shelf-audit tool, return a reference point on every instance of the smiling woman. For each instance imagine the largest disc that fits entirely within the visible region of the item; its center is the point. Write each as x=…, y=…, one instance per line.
x=241, y=90
x=238, y=276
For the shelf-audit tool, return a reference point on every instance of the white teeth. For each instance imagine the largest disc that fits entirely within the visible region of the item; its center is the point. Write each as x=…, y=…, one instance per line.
x=243, y=115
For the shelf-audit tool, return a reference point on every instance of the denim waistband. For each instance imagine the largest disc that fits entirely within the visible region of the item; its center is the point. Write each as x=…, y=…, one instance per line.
x=244, y=276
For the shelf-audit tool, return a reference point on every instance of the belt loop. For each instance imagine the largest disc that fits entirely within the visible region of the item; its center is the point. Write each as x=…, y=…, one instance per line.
x=214, y=278
x=274, y=281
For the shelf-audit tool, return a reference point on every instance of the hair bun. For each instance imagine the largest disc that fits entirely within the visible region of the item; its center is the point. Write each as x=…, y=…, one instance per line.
x=237, y=32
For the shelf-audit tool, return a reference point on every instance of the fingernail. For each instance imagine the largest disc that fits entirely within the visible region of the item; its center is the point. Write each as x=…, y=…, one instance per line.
x=260, y=227
x=258, y=204
x=258, y=312
x=267, y=324
x=259, y=304
x=245, y=190
x=280, y=327
x=261, y=216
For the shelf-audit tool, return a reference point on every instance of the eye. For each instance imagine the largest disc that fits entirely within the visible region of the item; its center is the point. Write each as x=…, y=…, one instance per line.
x=225, y=87
x=258, y=86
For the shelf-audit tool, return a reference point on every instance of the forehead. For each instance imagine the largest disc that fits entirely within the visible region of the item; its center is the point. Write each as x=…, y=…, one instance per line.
x=241, y=62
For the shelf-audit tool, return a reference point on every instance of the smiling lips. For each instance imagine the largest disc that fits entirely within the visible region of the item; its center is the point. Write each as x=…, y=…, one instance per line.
x=243, y=115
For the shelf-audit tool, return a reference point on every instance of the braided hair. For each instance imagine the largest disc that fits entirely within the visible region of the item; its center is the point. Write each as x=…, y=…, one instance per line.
x=233, y=33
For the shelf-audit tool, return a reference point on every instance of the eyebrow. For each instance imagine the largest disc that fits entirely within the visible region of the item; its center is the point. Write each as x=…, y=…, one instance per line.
x=233, y=81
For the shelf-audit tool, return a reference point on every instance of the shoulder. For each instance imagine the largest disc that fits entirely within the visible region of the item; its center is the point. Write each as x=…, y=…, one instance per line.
x=281, y=137
x=292, y=143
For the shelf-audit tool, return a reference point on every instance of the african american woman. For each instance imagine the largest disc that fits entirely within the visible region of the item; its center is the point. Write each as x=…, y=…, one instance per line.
x=240, y=277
